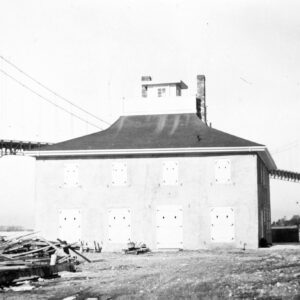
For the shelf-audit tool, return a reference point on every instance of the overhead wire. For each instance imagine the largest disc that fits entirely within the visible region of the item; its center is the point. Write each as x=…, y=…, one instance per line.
x=48, y=100
x=286, y=147
x=51, y=91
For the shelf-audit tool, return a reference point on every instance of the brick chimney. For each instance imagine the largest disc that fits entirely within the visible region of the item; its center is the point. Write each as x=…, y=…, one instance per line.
x=146, y=78
x=200, y=99
x=144, y=88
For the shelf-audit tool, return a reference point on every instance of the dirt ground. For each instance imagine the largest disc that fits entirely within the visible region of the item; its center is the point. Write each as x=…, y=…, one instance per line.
x=272, y=273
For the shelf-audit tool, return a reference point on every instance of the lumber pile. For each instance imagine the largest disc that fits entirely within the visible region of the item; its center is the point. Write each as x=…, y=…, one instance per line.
x=133, y=248
x=31, y=255
x=91, y=246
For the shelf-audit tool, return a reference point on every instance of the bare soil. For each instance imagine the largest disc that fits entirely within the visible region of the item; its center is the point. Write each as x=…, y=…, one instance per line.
x=208, y=274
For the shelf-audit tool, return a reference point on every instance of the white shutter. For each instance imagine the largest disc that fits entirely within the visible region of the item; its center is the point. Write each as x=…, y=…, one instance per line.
x=169, y=226
x=71, y=174
x=70, y=225
x=119, y=174
x=223, y=171
x=119, y=225
x=222, y=224
x=170, y=173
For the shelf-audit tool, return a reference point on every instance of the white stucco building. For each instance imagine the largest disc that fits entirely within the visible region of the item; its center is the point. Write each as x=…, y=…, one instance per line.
x=164, y=178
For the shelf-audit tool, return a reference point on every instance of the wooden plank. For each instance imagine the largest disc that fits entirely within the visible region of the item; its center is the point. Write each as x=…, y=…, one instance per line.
x=17, y=246
x=12, y=263
x=79, y=254
x=21, y=236
x=72, y=249
x=30, y=252
x=6, y=246
x=10, y=273
x=9, y=268
x=59, y=251
x=6, y=258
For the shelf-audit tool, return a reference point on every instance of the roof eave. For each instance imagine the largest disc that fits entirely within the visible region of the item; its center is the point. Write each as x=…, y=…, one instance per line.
x=260, y=150
x=180, y=83
x=268, y=159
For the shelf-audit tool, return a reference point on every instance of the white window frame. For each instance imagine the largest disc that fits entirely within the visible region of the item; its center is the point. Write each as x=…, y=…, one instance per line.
x=161, y=92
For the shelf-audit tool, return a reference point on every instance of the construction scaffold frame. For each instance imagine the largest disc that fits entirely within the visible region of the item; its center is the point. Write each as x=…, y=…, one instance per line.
x=14, y=147
x=285, y=175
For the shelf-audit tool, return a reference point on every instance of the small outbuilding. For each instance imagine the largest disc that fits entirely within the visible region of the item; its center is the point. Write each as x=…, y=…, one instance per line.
x=285, y=234
x=165, y=179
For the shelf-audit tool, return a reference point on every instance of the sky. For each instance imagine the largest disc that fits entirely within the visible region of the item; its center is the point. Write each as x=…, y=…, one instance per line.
x=93, y=53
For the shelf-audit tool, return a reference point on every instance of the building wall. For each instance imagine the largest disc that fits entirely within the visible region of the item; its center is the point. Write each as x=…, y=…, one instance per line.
x=264, y=206
x=196, y=192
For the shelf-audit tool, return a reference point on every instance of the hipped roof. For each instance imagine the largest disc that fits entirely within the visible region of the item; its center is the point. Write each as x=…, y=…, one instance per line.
x=176, y=132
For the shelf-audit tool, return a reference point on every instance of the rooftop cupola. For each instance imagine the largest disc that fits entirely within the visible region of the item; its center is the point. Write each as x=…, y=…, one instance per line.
x=167, y=97
x=151, y=89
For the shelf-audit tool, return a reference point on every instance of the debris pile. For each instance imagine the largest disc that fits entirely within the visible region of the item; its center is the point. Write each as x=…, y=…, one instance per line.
x=133, y=248
x=91, y=246
x=29, y=256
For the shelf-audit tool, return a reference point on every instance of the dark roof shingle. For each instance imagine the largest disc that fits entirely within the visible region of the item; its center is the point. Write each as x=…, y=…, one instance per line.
x=152, y=132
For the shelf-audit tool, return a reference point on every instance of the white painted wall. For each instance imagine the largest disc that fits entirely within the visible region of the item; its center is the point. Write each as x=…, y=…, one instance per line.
x=163, y=105
x=196, y=192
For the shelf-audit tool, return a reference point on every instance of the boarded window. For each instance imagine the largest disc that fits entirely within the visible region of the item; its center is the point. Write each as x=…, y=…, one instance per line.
x=71, y=175
x=223, y=171
x=222, y=224
x=70, y=225
x=169, y=226
x=119, y=225
x=119, y=174
x=170, y=173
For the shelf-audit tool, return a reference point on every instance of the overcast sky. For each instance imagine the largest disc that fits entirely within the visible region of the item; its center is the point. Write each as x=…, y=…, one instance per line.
x=94, y=52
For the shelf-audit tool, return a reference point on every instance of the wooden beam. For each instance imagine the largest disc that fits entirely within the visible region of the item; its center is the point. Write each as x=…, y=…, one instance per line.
x=72, y=249
x=10, y=273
